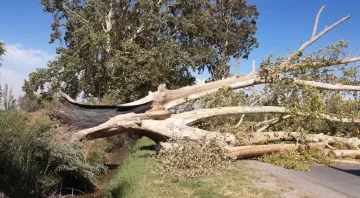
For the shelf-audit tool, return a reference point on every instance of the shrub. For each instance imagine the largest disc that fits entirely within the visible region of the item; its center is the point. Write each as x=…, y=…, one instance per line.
x=33, y=166
x=191, y=159
x=30, y=103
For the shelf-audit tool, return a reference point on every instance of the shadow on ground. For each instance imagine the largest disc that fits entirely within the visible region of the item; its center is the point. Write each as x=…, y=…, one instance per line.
x=355, y=172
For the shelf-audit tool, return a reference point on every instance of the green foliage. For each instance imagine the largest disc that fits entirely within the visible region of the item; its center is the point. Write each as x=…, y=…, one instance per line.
x=296, y=159
x=191, y=159
x=34, y=166
x=127, y=48
x=308, y=104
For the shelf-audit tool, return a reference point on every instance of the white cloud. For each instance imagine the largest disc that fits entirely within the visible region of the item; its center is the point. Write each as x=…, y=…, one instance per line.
x=26, y=58
x=18, y=63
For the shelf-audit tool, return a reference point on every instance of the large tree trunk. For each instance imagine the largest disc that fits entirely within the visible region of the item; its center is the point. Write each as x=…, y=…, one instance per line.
x=259, y=150
x=345, y=153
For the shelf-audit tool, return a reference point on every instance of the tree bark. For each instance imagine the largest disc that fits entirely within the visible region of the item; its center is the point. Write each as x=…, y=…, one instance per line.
x=344, y=153
x=294, y=136
x=119, y=124
x=259, y=150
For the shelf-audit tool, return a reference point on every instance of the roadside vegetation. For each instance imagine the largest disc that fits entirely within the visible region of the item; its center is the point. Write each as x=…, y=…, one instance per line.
x=33, y=165
x=141, y=177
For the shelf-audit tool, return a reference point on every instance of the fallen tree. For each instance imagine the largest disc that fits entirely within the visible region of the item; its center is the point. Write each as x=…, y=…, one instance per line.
x=295, y=74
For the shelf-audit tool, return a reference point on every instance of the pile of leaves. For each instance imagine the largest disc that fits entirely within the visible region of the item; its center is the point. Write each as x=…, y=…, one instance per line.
x=191, y=159
x=297, y=159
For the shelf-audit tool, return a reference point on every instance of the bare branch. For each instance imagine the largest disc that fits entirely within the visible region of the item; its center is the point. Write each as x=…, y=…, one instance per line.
x=67, y=97
x=329, y=64
x=317, y=21
x=196, y=115
x=272, y=123
x=253, y=67
x=286, y=63
x=327, y=86
x=192, y=116
x=243, y=115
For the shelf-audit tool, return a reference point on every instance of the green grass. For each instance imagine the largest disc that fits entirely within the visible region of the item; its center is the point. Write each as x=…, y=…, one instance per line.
x=138, y=178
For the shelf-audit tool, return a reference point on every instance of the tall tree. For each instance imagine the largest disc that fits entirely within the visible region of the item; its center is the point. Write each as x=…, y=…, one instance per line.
x=127, y=48
x=2, y=50
x=8, y=100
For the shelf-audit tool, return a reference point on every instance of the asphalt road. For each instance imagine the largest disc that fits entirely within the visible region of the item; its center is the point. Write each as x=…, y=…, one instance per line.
x=344, y=178
x=323, y=181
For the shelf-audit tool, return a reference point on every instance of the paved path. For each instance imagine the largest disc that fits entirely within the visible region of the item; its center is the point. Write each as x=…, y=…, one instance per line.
x=335, y=181
x=342, y=178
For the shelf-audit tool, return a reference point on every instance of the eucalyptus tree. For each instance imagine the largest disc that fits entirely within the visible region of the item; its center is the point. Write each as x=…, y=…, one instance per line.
x=126, y=48
x=304, y=90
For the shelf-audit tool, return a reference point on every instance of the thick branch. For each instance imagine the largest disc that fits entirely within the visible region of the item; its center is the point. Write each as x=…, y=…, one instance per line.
x=345, y=153
x=294, y=136
x=172, y=98
x=119, y=124
x=196, y=115
x=256, y=151
x=327, y=86
x=177, y=129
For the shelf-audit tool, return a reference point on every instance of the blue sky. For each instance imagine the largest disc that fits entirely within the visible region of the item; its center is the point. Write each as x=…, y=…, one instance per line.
x=282, y=25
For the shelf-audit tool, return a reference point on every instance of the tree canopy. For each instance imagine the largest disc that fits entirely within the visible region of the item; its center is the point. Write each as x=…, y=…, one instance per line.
x=126, y=48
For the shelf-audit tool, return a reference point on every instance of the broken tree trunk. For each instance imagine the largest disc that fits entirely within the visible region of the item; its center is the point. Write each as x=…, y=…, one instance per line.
x=81, y=116
x=129, y=122
x=345, y=153
x=256, y=151
x=257, y=138
x=160, y=125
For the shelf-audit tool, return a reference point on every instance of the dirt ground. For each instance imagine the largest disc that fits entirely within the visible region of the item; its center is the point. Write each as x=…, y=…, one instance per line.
x=290, y=184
